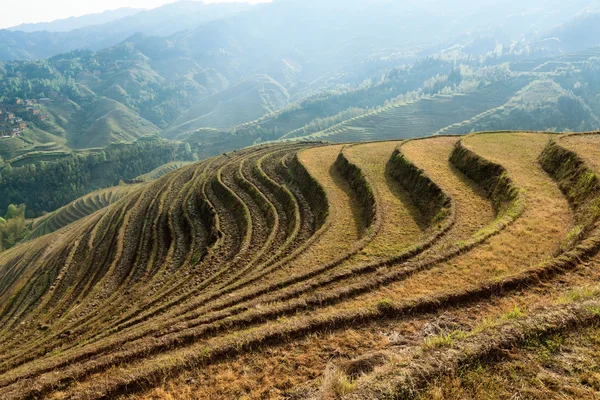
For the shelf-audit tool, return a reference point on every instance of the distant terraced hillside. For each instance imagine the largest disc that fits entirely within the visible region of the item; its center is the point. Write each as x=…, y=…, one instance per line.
x=78, y=209
x=162, y=170
x=394, y=269
x=423, y=117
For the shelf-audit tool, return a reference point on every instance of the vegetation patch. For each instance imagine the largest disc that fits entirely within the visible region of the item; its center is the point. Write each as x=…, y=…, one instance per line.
x=431, y=200
x=361, y=187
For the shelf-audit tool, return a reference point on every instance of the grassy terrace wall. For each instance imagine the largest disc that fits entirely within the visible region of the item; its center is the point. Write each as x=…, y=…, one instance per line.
x=492, y=177
x=209, y=219
x=488, y=346
x=235, y=205
x=579, y=184
x=311, y=189
x=360, y=187
x=429, y=198
x=281, y=193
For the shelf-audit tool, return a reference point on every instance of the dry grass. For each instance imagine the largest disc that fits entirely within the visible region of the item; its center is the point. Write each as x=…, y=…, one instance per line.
x=587, y=146
x=276, y=329
x=401, y=224
x=473, y=210
x=344, y=228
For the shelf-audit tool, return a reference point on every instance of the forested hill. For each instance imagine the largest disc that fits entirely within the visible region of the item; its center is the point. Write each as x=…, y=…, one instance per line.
x=46, y=186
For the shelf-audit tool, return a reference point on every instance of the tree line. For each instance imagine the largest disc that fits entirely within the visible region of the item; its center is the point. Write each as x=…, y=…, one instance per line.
x=47, y=186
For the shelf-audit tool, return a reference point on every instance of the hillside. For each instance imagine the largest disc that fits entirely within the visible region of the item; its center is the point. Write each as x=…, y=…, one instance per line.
x=47, y=180
x=187, y=68
x=244, y=101
x=422, y=117
x=95, y=32
x=72, y=23
x=77, y=210
x=317, y=271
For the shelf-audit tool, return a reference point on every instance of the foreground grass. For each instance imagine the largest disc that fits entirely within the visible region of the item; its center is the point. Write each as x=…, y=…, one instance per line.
x=401, y=223
x=248, y=343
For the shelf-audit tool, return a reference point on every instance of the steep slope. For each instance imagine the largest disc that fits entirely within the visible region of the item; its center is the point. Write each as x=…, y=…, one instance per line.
x=252, y=273
x=422, y=117
x=77, y=210
x=109, y=121
x=542, y=105
x=244, y=101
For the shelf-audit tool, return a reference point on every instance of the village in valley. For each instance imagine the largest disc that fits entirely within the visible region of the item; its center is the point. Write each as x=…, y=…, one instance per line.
x=15, y=116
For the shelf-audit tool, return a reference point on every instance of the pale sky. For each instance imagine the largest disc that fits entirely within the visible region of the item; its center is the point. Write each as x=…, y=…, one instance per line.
x=15, y=12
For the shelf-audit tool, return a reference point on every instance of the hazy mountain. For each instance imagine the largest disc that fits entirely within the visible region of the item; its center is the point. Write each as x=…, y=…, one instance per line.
x=577, y=34
x=162, y=21
x=72, y=23
x=257, y=73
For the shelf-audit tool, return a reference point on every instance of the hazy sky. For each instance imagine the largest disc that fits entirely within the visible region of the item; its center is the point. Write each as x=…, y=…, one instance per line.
x=15, y=12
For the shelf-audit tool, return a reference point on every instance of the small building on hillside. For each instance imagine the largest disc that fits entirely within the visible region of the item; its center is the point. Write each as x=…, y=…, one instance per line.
x=35, y=111
x=9, y=116
x=23, y=125
x=45, y=100
x=18, y=101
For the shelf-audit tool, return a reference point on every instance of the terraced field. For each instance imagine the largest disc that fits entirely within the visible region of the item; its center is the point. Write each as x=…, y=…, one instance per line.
x=162, y=170
x=78, y=209
x=376, y=270
x=424, y=117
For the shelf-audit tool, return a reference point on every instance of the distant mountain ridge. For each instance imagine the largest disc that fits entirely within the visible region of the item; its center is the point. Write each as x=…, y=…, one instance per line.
x=161, y=21
x=250, y=74
x=72, y=23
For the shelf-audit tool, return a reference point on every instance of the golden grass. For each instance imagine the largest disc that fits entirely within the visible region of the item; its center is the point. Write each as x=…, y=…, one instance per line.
x=533, y=238
x=473, y=210
x=344, y=228
x=555, y=367
x=400, y=221
x=587, y=146
x=277, y=342
x=469, y=227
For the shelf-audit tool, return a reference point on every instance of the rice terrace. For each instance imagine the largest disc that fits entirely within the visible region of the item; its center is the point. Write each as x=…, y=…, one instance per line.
x=443, y=267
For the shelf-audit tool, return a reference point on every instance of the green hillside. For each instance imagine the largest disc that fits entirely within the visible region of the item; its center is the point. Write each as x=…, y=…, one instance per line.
x=244, y=101
x=542, y=105
x=422, y=117
x=109, y=121
x=44, y=184
x=77, y=209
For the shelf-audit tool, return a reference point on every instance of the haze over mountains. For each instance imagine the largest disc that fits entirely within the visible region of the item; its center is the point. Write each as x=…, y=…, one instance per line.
x=218, y=77
x=35, y=41
x=72, y=23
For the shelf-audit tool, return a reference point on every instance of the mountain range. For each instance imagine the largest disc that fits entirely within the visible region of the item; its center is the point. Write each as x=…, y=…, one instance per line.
x=227, y=75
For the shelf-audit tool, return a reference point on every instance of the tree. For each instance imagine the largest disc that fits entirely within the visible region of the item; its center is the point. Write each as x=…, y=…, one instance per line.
x=14, y=211
x=12, y=227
